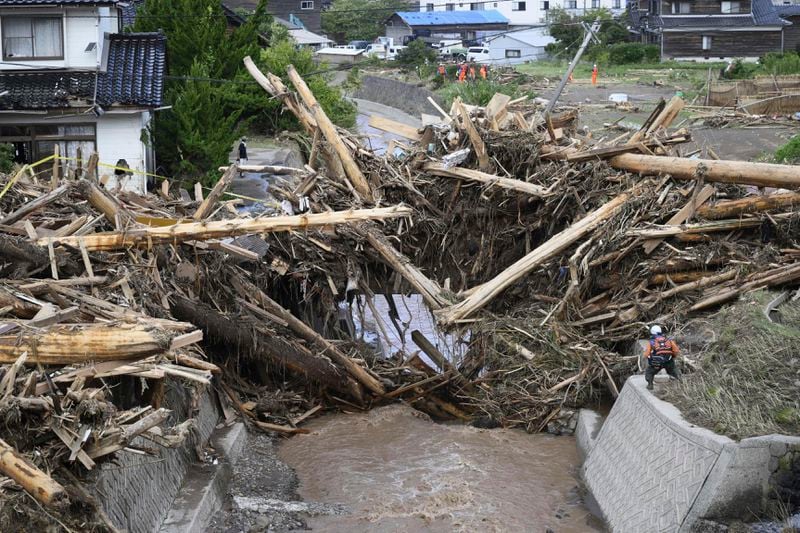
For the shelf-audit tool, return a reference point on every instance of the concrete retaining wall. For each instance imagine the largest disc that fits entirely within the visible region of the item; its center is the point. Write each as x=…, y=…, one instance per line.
x=650, y=470
x=404, y=96
x=137, y=491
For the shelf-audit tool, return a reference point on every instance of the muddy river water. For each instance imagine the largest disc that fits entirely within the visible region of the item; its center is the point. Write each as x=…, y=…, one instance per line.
x=395, y=470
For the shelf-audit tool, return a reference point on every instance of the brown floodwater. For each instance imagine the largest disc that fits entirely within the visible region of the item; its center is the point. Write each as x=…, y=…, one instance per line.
x=398, y=471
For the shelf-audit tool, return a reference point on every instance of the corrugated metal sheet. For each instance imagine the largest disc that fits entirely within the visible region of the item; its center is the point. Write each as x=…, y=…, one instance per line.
x=451, y=18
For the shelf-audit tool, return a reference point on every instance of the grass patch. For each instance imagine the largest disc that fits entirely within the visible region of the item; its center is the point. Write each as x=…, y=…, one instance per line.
x=749, y=378
x=480, y=91
x=789, y=152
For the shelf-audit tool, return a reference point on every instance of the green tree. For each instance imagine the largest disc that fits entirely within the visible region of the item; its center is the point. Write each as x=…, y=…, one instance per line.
x=568, y=32
x=351, y=20
x=416, y=54
x=210, y=90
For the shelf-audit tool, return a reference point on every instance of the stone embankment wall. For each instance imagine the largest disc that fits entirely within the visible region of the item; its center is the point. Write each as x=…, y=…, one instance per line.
x=409, y=98
x=137, y=491
x=650, y=470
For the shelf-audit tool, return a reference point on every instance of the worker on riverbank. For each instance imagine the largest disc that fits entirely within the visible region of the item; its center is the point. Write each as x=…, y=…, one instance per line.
x=442, y=72
x=594, y=74
x=483, y=71
x=660, y=352
x=462, y=72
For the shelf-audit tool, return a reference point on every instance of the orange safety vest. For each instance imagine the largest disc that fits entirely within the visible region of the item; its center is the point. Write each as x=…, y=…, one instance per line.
x=483, y=71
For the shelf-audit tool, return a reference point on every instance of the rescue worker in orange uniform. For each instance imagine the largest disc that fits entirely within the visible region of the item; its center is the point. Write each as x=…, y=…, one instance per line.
x=442, y=71
x=472, y=72
x=594, y=74
x=482, y=71
x=462, y=72
x=661, y=352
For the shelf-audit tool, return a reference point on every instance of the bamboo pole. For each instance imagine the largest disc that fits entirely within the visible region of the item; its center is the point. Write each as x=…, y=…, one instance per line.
x=555, y=245
x=438, y=169
x=738, y=172
x=754, y=204
x=203, y=231
x=325, y=125
x=35, y=482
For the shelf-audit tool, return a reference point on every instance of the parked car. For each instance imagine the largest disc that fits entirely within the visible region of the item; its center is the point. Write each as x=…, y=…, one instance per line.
x=479, y=54
x=452, y=50
x=376, y=50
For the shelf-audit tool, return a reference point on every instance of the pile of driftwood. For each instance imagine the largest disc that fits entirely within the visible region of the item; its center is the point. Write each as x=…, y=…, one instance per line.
x=545, y=251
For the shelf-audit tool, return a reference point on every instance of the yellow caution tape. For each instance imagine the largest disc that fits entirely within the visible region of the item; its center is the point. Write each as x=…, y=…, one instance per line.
x=13, y=180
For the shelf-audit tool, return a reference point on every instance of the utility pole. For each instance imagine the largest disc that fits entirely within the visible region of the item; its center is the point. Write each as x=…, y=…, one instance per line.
x=590, y=34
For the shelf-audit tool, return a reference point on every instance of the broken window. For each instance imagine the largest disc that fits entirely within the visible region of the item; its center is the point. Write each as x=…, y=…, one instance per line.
x=32, y=38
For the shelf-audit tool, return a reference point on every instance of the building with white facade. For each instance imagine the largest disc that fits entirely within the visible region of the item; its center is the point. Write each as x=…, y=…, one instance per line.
x=69, y=78
x=524, y=12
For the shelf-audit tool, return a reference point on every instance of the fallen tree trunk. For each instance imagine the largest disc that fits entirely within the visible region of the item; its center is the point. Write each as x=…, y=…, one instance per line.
x=35, y=482
x=438, y=169
x=327, y=128
x=241, y=335
x=754, y=204
x=770, y=278
x=63, y=345
x=107, y=204
x=738, y=172
x=203, y=231
x=558, y=243
x=430, y=291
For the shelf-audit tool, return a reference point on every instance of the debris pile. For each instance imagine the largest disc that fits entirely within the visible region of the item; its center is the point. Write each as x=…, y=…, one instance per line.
x=543, y=250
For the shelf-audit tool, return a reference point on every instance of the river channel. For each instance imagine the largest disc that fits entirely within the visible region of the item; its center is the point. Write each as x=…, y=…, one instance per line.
x=396, y=470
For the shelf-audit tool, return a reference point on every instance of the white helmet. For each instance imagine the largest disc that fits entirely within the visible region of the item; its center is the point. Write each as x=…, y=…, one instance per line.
x=655, y=330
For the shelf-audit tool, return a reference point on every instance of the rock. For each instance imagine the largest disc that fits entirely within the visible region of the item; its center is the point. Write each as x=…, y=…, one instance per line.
x=708, y=526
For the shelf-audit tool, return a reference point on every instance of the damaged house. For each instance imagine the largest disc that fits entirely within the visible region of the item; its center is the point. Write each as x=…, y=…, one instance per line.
x=709, y=30
x=70, y=78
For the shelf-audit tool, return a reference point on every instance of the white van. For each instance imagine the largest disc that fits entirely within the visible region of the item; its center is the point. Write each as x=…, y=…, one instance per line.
x=478, y=54
x=392, y=51
x=377, y=50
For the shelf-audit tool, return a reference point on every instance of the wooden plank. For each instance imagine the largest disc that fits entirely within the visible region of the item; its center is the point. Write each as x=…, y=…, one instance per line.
x=34, y=205
x=439, y=169
x=474, y=137
x=392, y=126
x=683, y=215
x=207, y=205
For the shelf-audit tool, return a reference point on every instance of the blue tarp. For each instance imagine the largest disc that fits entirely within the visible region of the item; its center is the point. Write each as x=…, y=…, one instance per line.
x=451, y=18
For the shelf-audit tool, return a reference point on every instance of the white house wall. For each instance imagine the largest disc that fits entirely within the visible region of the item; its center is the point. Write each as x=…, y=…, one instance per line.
x=80, y=28
x=119, y=136
x=533, y=13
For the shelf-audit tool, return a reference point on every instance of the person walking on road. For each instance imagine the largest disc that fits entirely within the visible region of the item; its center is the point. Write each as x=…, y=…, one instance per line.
x=660, y=352
x=243, y=151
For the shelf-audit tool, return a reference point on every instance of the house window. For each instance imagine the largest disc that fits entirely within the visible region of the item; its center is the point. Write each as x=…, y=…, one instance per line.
x=476, y=6
x=571, y=4
x=518, y=6
x=511, y=54
x=428, y=7
x=545, y=5
x=706, y=42
x=307, y=4
x=731, y=7
x=32, y=38
x=595, y=4
x=681, y=8
x=616, y=5
x=449, y=7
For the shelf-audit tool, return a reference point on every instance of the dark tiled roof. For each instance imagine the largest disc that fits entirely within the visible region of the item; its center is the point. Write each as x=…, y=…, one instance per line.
x=764, y=14
x=128, y=11
x=707, y=21
x=788, y=11
x=56, y=2
x=134, y=76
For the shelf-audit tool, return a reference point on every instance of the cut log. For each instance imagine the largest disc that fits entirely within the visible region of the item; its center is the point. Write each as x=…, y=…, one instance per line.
x=201, y=231
x=753, y=204
x=667, y=115
x=604, y=153
x=430, y=291
x=207, y=205
x=683, y=215
x=104, y=202
x=739, y=172
x=33, y=205
x=474, y=137
x=558, y=243
x=438, y=169
x=45, y=489
x=392, y=126
x=327, y=128
x=62, y=345
x=770, y=278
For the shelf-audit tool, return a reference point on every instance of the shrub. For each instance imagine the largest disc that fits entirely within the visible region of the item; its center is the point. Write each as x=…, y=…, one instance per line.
x=776, y=63
x=629, y=53
x=6, y=158
x=478, y=92
x=416, y=54
x=789, y=152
